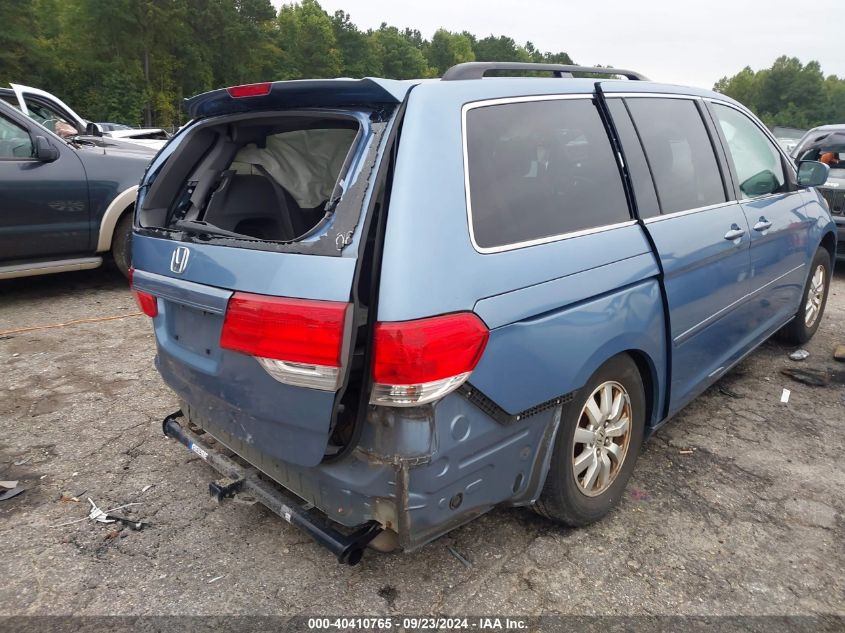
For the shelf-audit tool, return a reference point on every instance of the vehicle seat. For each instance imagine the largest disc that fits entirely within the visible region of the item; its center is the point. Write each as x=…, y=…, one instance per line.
x=253, y=205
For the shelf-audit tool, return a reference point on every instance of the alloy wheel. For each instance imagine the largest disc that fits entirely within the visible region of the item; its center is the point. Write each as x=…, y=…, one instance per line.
x=815, y=296
x=602, y=437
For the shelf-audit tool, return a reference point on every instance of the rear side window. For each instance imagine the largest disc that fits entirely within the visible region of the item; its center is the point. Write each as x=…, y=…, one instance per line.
x=538, y=170
x=647, y=204
x=756, y=161
x=680, y=153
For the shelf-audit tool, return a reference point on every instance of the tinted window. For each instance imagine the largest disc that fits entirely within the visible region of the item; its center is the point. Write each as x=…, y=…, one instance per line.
x=679, y=153
x=637, y=167
x=14, y=140
x=540, y=169
x=756, y=161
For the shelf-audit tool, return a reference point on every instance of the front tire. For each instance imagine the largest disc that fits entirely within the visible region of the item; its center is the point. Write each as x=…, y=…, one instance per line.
x=813, y=301
x=597, y=444
x=121, y=243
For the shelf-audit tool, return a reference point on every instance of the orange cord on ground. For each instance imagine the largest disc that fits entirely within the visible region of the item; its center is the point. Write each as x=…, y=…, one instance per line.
x=76, y=322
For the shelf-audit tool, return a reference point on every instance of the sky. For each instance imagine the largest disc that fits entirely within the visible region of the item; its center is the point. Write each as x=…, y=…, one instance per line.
x=692, y=42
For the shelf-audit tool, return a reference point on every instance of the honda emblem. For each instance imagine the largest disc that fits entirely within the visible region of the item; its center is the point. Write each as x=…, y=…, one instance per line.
x=179, y=260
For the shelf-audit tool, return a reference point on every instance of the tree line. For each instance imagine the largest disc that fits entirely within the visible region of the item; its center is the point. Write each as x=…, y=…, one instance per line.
x=789, y=93
x=134, y=61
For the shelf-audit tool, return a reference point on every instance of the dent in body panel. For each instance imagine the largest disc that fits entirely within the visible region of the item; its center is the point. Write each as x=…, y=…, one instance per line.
x=476, y=465
x=419, y=471
x=556, y=352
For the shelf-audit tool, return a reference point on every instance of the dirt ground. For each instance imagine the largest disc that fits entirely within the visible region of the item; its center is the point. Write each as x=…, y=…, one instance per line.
x=737, y=506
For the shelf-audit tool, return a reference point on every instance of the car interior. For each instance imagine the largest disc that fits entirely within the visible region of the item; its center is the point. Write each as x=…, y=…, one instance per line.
x=833, y=157
x=268, y=180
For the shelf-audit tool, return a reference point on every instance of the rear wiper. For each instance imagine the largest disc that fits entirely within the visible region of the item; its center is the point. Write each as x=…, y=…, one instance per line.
x=204, y=228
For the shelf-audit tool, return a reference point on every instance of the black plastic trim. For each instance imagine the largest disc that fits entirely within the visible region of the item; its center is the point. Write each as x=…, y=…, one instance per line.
x=489, y=406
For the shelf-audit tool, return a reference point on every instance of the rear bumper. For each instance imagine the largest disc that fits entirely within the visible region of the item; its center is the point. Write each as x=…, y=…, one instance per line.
x=347, y=547
x=419, y=472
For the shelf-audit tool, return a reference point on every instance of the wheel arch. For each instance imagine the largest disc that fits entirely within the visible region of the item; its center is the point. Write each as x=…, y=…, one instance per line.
x=648, y=374
x=124, y=202
x=829, y=243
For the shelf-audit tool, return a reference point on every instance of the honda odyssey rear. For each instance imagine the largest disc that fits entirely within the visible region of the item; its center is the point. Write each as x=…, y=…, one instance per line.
x=256, y=254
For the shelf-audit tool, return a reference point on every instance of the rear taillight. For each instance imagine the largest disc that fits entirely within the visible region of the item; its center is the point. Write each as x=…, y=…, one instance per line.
x=297, y=341
x=415, y=362
x=249, y=90
x=146, y=301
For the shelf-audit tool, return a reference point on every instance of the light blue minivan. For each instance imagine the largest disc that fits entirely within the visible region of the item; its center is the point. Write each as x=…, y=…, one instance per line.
x=390, y=306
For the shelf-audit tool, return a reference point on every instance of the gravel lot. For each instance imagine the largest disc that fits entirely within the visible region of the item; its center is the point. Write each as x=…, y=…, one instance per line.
x=735, y=507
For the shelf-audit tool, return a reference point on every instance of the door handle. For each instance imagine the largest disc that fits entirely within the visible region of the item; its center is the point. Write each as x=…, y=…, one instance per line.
x=762, y=224
x=735, y=233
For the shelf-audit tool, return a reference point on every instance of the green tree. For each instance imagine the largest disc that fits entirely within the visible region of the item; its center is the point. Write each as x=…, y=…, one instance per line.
x=742, y=87
x=834, y=88
x=400, y=59
x=135, y=61
x=447, y=49
x=307, y=42
x=19, y=50
x=499, y=49
x=789, y=93
x=356, y=48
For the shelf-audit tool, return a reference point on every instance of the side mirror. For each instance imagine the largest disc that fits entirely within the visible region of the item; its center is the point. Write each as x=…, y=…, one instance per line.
x=812, y=173
x=93, y=129
x=45, y=152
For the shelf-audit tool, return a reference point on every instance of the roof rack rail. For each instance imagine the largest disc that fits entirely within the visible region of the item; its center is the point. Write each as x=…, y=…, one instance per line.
x=477, y=70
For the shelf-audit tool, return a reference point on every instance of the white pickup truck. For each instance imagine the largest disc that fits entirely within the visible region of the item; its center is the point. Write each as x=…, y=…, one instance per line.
x=54, y=114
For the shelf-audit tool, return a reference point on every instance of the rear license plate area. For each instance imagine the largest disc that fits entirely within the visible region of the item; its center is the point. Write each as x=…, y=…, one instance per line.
x=195, y=330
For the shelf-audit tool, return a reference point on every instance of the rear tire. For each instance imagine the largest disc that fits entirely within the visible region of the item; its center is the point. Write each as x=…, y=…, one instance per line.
x=592, y=460
x=121, y=243
x=813, y=300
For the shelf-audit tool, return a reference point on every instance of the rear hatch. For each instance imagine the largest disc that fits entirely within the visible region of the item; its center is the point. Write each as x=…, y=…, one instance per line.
x=253, y=250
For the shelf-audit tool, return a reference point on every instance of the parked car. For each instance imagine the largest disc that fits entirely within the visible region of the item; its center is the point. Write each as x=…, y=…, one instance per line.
x=106, y=126
x=787, y=137
x=827, y=143
x=64, y=205
x=409, y=302
x=59, y=118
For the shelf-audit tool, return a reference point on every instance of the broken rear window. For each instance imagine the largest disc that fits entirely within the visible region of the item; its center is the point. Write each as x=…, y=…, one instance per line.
x=274, y=178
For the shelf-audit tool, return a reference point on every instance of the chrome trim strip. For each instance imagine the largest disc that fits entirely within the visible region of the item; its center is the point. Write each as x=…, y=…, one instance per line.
x=551, y=238
x=524, y=99
x=684, y=335
x=656, y=95
x=678, y=214
x=541, y=240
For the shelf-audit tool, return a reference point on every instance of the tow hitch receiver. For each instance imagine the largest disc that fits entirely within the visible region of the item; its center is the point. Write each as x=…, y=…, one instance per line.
x=348, y=548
